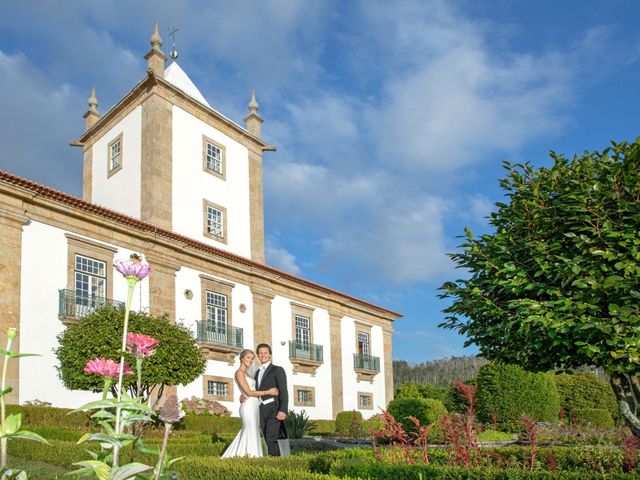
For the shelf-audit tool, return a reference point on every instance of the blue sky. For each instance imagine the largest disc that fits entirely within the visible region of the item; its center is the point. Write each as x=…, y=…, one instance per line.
x=391, y=118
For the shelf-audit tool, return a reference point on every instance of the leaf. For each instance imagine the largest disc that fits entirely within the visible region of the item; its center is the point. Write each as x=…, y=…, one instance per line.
x=6, y=390
x=100, y=469
x=129, y=471
x=25, y=434
x=12, y=424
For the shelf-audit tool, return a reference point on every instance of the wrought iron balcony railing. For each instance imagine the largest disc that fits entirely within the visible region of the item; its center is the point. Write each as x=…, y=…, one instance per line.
x=305, y=351
x=366, y=362
x=220, y=334
x=72, y=304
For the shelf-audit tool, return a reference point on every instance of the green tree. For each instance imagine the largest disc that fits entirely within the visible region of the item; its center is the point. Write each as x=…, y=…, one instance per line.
x=177, y=360
x=585, y=391
x=557, y=285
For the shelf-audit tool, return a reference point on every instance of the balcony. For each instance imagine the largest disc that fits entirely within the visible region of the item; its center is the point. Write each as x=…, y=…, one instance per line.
x=73, y=306
x=366, y=366
x=219, y=341
x=305, y=357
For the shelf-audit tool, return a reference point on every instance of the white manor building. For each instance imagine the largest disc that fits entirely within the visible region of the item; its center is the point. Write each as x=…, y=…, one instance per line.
x=167, y=176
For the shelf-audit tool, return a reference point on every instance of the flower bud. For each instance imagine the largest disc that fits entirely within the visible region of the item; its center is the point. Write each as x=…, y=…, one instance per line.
x=12, y=333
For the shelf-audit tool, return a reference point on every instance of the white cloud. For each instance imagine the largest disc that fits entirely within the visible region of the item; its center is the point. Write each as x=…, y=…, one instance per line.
x=278, y=257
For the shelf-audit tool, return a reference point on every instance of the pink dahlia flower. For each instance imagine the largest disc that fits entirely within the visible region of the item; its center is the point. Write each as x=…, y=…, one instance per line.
x=105, y=367
x=141, y=345
x=132, y=268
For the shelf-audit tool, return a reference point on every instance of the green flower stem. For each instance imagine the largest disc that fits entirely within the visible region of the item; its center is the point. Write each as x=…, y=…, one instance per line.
x=139, y=371
x=3, y=441
x=132, y=281
x=107, y=385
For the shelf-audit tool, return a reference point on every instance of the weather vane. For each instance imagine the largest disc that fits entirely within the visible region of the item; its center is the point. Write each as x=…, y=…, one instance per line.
x=172, y=33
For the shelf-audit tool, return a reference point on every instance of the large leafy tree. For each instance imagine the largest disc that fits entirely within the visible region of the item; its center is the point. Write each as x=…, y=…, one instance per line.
x=557, y=285
x=177, y=360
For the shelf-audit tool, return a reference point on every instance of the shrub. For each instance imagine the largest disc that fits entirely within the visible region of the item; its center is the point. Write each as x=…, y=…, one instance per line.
x=323, y=427
x=177, y=360
x=585, y=390
x=595, y=417
x=427, y=410
x=211, y=424
x=350, y=423
x=508, y=391
x=298, y=424
x=36, y=416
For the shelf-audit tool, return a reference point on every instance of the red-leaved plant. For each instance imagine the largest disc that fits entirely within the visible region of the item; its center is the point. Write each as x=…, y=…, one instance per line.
x=531, y=433
x=460, y=432
x=403, y=443
x=630, y=445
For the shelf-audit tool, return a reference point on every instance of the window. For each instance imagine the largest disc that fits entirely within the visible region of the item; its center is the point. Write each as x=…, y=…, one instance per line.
x=114, y=155
x=213, y=157
x=217, y=388
x=216, y=326
x=216, y=312
x=363, y=343
x=90, y=280
x=365, y=401
x=304, y=396
x=302, y=332
x=215, y=221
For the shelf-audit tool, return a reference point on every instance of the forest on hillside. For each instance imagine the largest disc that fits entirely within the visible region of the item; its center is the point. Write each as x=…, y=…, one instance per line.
x=442, y=372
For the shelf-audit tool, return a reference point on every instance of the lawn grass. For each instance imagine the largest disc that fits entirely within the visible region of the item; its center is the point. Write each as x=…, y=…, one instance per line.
x=37, y=470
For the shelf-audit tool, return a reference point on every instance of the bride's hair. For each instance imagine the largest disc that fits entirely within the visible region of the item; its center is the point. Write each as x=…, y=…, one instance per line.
x=246, y=352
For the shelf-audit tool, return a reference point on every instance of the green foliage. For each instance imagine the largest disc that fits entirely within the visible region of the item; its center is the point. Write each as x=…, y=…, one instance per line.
x=508, y=391
x=324, y=427
x=211, y=423
x=585, y=390
x=442, y=372
x=298, y=424
x=594, y=417
x=556, y=284
x=350, y=423
x=51, y=416
x=177, y=360
x=489, y=436
x=427, y=410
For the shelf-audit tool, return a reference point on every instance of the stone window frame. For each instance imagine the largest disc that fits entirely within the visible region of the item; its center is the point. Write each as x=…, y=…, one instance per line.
x=113, y=171
x=369, y=395
x=205, y=230
x=364, y=328
x=213, y=378
x=223, y=158
x=217, y=286
x=302, y=311
x=88, y=248
x=312, y=390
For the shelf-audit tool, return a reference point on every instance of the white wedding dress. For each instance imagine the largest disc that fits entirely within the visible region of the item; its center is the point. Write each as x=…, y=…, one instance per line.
x=248, y=442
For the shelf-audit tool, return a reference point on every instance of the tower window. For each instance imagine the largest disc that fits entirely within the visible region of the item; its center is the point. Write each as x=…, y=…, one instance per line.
x=215, y=222
x=213, y=157
x=114, y=154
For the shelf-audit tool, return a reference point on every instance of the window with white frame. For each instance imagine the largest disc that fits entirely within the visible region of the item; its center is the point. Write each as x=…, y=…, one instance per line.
x=115, y=154
x=218, y=389
x=213, y=157
x=302, y=332
x=304, y=396
x=215, y=221
x=90, y=278
x=363, y=343
x=216, y=310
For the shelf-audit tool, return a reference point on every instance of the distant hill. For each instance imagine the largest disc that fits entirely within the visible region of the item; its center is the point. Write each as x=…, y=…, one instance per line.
x=442, y=372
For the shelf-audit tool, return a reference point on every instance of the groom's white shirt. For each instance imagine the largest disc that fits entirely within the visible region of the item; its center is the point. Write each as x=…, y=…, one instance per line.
x=263, y=368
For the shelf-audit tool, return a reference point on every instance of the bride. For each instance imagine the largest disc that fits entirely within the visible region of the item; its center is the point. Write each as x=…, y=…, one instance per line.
x=248, y=443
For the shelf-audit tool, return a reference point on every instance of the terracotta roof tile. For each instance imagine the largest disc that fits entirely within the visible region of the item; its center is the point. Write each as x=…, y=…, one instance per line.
x=112, y=215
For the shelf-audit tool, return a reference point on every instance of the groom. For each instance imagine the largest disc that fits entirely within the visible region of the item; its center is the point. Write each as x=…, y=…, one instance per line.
x=273, y=409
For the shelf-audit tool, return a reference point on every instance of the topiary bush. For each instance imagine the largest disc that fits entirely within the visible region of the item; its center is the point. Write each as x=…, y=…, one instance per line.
x=427, y=410
x=585, y=390
x=350, y=423
x=508, y=391
x=177, y=361
x=594, y=417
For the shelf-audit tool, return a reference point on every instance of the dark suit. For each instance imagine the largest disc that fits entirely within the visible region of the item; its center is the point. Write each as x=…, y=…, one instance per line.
x=273, y=376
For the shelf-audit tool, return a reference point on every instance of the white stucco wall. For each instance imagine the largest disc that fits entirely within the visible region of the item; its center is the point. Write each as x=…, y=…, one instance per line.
x=191, y=184
x=44, y=272
x=189, y=311
x=121, y=191
x=281, y=333
x=350, y=384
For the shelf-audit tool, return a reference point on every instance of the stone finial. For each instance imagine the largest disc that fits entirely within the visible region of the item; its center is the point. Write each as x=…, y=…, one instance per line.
x=92, y=115
x=156, y=39
x=155, y=58
x=254, y=120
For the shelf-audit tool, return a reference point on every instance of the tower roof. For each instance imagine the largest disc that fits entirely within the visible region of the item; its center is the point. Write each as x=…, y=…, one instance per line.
x=177, y=77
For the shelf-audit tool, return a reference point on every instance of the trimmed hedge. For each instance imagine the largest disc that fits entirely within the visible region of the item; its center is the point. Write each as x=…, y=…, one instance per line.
x=585, y=390
x=596, y=417
x=349, y=423
x=211, y=423
x=508, y=391
x=427, y=410
x=323, y=427
x=33, y=416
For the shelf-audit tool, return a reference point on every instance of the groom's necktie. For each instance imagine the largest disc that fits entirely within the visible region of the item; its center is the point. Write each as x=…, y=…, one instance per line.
x=260, y=374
